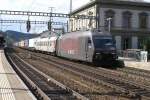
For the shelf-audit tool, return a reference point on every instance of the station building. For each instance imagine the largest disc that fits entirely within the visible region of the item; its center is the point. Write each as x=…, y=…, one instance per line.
x=129, y=20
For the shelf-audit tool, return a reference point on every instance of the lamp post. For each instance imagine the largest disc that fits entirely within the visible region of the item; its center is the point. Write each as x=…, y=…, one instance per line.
x=1, y=22
x=70, y=6
x=109, y=23
x=50, y=20
x=51, y=11
x=90, y=13
x=71, y=23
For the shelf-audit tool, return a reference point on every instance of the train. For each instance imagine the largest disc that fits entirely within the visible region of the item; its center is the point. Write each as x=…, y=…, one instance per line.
x=88, y=46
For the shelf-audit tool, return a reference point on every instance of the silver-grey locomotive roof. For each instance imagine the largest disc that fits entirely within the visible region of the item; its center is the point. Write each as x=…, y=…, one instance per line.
x=46, y=34
x=100, y=32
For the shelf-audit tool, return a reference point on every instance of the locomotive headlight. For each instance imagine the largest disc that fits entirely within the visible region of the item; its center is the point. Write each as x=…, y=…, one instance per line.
x=112, y=48
x=98, y=56
x=98, y=53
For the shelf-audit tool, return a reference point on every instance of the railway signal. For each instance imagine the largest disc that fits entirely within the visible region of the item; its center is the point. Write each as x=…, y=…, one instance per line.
x=32, y=22
x=49, y=25
x=42, y=14
x=28, y=25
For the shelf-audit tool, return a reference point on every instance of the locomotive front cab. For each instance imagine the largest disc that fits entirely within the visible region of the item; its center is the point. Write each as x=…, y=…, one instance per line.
x=104, y=48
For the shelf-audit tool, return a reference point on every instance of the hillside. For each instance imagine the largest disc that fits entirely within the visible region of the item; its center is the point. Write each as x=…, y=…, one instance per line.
x=14, y=36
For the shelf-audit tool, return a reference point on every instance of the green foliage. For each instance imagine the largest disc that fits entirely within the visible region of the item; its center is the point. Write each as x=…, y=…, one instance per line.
x=148, y=44
x=9, y=41
x=145, y=44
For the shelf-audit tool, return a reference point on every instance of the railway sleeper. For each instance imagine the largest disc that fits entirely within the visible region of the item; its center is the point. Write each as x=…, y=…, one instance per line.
x=109, y=83
x=132, y=91
x=74, y=93
x=29, y=83
x=57, y=92
x=127, y=92
x=145, y=96
x=118, y=83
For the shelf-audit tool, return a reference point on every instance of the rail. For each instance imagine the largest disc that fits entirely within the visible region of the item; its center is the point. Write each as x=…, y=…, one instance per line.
x=122, y=85
x=37, y=91
x=79, y=96
x=114, y=80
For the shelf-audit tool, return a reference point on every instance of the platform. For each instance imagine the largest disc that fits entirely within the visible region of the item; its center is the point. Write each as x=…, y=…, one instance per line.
x=136, y=64
x=11, y=86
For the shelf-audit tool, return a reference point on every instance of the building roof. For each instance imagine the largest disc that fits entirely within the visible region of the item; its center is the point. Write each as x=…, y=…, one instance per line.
x=138, y=3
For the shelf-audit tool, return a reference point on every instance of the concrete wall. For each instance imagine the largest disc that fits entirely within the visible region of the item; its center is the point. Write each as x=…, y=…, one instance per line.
x=118, y=42
x=118, y=16
x=148, y=21
x=118, y=23
x=134, y=42
x=83, y=24
x=79, y=23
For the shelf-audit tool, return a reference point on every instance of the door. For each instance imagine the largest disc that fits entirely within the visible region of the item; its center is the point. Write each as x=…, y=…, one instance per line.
x=126, y=43
x=88, y=49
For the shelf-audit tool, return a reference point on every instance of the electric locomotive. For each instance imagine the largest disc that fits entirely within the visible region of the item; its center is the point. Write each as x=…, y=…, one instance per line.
x=88, y=46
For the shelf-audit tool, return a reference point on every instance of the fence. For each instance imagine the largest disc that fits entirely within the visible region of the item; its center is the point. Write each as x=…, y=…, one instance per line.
x=133, y=54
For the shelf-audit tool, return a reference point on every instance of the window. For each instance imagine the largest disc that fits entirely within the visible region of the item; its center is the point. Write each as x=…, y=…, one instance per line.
x=89, y=42
x=109, y=14
x=126, y=19
x=143, y=19
x=126, y=43
x=103, y=42
x=47, y=43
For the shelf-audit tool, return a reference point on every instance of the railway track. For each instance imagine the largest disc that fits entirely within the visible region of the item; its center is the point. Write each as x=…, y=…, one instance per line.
x=109, y=78
x=49, y=88
x=102, y=77
x=127, y=87
x=134, y=71
x=88, y=89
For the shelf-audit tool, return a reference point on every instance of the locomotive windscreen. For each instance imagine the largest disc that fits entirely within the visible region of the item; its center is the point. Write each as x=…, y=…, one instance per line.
x=103, y=42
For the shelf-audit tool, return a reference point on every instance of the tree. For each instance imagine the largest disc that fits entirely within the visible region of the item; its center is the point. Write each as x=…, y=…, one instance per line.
x=146, y=44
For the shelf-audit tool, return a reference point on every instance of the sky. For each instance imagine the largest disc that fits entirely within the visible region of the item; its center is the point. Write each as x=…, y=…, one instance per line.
x=60, y=6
